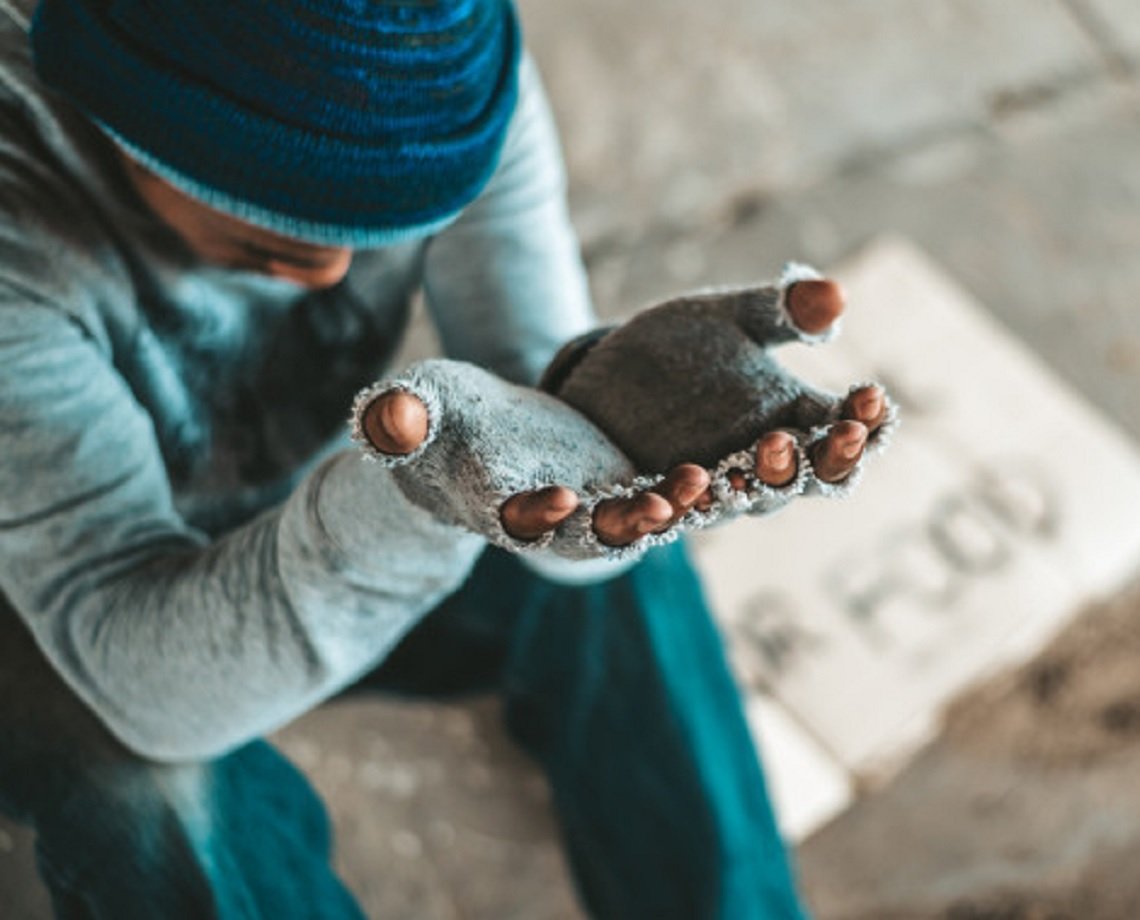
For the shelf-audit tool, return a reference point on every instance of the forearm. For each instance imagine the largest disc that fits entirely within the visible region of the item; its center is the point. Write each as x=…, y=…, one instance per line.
x=181, y=646
x=189, y=653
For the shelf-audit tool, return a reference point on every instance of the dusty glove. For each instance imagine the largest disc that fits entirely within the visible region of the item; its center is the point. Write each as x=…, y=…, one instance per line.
x=693, y=380
x=690, y=380
x=488, y=440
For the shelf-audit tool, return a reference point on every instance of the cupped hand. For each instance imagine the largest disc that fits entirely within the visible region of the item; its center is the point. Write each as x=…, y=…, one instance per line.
x=397, y=423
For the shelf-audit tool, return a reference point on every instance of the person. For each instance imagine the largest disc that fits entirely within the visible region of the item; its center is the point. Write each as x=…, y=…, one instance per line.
x=213, y=218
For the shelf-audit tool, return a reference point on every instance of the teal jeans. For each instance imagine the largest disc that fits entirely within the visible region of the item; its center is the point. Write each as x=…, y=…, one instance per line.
x=619, y=690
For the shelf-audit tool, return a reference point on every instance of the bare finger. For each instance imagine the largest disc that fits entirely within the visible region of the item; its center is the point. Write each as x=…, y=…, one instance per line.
x=835, y=456
x=620, y=521
x=867, y=405
x=814, y=305
x=396, y=422
x=682, y=488
x=529, y=515
x=776, y=458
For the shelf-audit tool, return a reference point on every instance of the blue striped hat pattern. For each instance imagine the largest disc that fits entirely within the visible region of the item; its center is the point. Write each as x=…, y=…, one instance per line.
x=342, y=122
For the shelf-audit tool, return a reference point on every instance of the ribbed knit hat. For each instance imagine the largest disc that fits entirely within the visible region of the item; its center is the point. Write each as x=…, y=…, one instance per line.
x=343, y=122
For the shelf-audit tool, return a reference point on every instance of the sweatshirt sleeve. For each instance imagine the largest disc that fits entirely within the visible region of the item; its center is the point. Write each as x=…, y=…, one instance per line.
x=505, y=283
x=186, y=648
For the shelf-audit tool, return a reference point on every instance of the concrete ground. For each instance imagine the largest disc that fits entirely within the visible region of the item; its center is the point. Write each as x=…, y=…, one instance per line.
x=708, y=143
x=1026, y=808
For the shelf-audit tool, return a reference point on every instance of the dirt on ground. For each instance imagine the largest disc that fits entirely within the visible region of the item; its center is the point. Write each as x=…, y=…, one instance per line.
x=1026, y=808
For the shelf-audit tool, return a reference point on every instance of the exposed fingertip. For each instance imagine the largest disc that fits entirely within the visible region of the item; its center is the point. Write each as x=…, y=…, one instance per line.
x=776, y=450
x=560, y=499
x=705, y=500
x=850, y=447
x=867, y=404
x=652, y=505
x=776, y=458
x=396, y=422
x=848, y=433
x=689, y=481
x=836, y=455
x=529, y=515
x=815, y=304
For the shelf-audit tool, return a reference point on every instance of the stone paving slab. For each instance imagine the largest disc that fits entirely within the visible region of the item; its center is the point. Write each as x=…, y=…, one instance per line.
x=1121, y=20
x=438, y=815
x=1042, y=228
x=669, y=110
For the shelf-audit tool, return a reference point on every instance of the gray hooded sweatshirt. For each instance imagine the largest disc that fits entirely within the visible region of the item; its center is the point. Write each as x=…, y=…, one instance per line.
x=181, y=525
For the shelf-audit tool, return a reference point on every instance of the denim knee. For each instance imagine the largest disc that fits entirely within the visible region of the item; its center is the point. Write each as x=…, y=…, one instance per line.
x=119, y=836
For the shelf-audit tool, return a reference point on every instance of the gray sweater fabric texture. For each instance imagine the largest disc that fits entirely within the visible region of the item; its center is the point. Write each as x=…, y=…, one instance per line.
x=184, y=526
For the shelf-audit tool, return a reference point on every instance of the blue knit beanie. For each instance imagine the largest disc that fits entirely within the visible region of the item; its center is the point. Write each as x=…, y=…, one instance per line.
x=343, y=122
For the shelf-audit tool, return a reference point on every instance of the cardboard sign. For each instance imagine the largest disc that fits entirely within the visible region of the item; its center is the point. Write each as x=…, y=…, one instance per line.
x=1003, y=506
